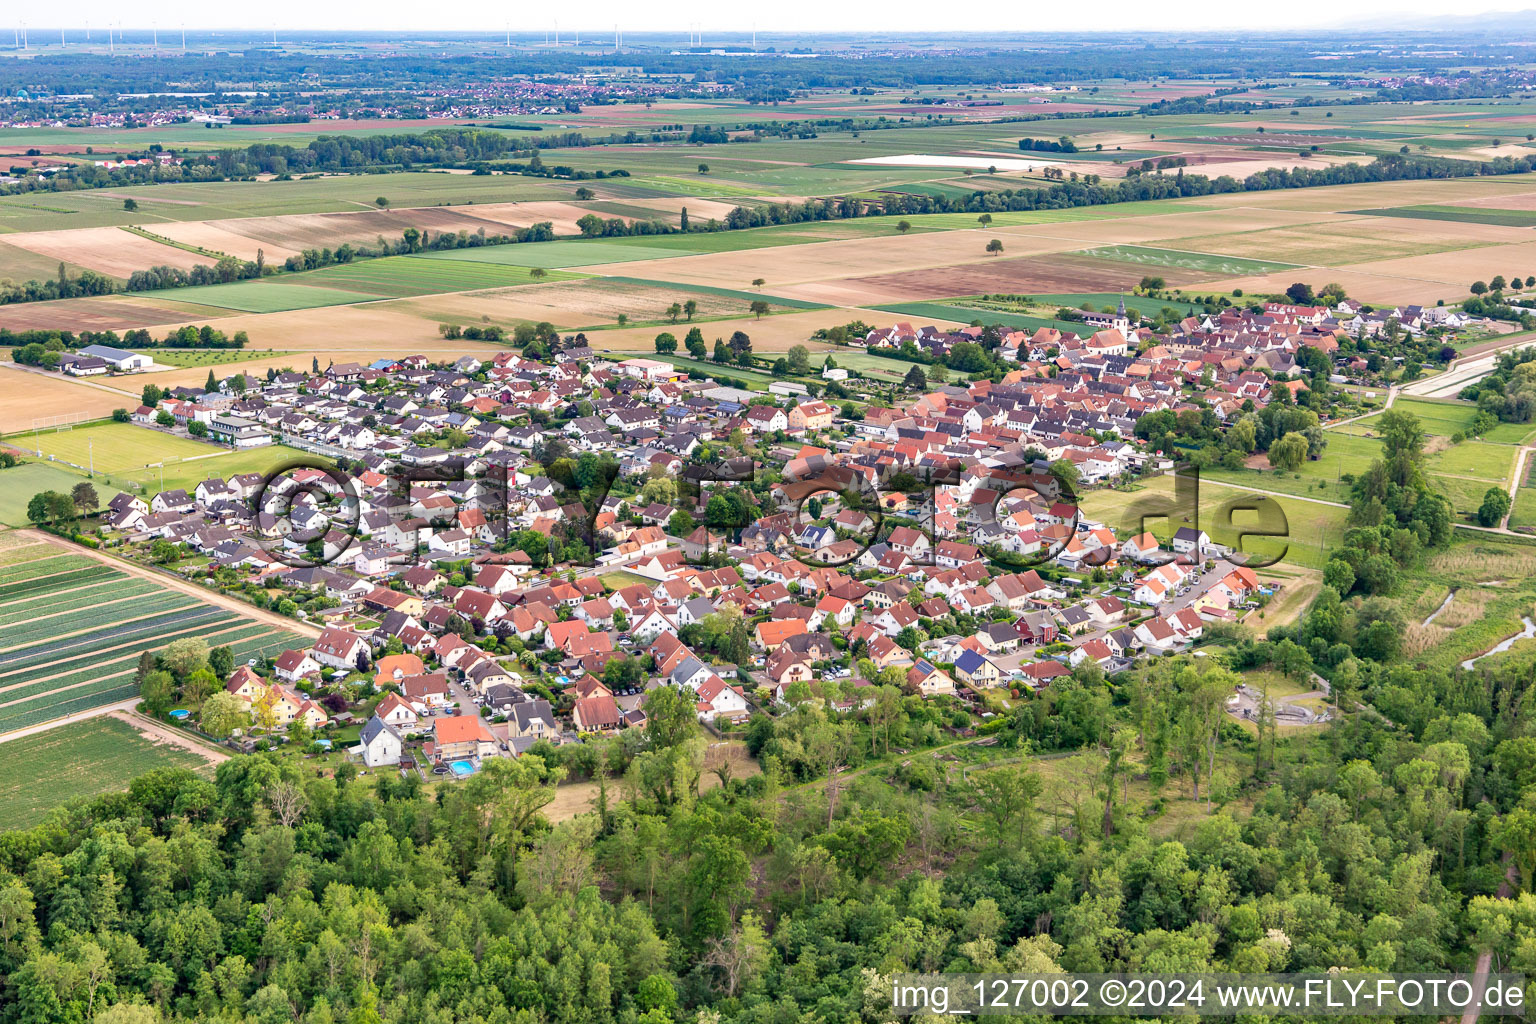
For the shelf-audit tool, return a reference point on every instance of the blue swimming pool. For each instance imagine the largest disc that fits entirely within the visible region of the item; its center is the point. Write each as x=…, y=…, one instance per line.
x=181, y=714
x=462, y=768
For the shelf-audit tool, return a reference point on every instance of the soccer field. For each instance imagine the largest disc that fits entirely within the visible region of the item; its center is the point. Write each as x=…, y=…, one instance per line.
x=111, y=447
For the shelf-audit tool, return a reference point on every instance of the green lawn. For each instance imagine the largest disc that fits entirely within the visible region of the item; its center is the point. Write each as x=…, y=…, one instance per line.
x=226, y=464
x=1210, y=263
x=19, y=483
x=1310, y=528
x=38, y=773
x=1445, y=417
x=209, y=356
x=1464, y=472
x=111, y=447
x=262, y=296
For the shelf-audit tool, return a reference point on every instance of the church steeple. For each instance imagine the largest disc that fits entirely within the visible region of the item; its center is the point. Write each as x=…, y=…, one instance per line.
x=1121, y=311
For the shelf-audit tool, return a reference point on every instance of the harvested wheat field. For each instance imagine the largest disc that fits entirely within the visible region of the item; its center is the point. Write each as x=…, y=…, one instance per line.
x=381, y=328
x=1346, y=241
x=1458, y=269
x=106, y=313
x=699, y=210
x=108, y=250
x=214, y=235
x=521, y=215
x=25, y=396
x=825, y=261
x=316, y=230
x=572, y=304
x=1512, y=201
x=1030, y=275
x=1131, y=230
x=1372, y=195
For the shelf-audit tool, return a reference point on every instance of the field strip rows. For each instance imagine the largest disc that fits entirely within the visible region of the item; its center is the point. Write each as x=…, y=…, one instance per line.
x=42, y=686
x=48, y=712
x=17, y=593
x=34, y=682
x=39, y=632
x=66, y=607
x=16, y=571
x=133, y=638
x=20, y=572
x=87, y=634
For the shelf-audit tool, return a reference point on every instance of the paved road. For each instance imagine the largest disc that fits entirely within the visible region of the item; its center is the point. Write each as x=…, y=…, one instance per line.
x=1465, y=369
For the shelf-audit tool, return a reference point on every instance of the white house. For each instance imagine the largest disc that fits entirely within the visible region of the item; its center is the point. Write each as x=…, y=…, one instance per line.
x=379, y=743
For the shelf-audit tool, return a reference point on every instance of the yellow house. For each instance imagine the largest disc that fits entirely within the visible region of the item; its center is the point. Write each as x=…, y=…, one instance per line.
x=287, y=706
x=810, y=416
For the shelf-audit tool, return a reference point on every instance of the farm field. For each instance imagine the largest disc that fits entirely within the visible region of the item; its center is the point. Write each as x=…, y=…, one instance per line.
x=556, y=254
x=82, y=759
x=26, y=397
x=1178, y=259
x=263, y=296
x=1461, y=214
x=398, y=276
x=74, y=627
x=111, y=251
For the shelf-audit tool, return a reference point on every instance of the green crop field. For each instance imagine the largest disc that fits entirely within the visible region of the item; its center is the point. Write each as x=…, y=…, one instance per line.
x=75, y=627
x=1224, y=266
x=1462, y=214
x=400, y=276
x=84, y=759
x=262, y=296
x=573, y=253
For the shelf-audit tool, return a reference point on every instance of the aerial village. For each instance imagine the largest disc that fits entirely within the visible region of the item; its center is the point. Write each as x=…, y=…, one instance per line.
x=519, y=551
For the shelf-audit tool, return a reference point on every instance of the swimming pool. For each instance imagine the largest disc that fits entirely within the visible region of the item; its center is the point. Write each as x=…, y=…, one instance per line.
x=462, y=768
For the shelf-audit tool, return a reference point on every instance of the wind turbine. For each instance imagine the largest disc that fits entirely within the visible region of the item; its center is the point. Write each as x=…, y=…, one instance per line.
x=183, y=38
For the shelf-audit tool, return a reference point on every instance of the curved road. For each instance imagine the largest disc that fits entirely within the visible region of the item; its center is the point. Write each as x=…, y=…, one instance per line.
x=1463, y=370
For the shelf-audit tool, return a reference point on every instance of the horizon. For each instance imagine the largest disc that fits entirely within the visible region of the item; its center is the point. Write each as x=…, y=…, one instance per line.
x=479, y=21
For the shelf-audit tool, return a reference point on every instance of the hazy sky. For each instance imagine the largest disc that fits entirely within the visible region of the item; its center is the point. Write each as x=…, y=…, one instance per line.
x=598, y=17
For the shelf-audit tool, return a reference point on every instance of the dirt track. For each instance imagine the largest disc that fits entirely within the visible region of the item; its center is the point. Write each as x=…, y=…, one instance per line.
x=159, y=732
x=250, y=611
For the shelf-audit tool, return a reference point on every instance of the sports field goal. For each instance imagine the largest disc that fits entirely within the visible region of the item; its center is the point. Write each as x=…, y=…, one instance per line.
x=62, y=421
